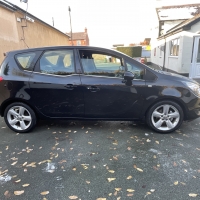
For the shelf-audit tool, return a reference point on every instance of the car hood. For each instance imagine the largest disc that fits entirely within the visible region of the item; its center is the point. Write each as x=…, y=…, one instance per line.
x=177, y=76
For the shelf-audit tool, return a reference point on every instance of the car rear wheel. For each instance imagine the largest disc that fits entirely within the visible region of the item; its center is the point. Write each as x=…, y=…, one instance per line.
x=165, y=116
x=19, y=117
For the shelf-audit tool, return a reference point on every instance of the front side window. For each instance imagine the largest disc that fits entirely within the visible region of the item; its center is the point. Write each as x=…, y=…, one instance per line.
x=101, y=64
x=174, y=48
x=136, y=70
x=57, y=62
x=25, y=60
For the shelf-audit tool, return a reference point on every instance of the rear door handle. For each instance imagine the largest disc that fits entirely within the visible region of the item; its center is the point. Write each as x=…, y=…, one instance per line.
x=70, y=86
x=93, y=88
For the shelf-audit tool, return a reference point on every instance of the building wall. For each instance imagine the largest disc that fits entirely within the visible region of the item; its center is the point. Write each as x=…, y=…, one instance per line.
x=36, y=33
x=173, y=62
x=181, y=63
x=82, y=43
x=168, y=25
x=156, y=53
x=195, y=28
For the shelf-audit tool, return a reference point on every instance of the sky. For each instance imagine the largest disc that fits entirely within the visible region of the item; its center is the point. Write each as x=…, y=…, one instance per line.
x=108, y=21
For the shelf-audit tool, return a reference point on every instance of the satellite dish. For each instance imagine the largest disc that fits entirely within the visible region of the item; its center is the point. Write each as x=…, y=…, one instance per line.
x=25, y=1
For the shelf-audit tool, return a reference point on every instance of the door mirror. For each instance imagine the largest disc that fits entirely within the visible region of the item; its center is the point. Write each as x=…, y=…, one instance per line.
x=128, y=76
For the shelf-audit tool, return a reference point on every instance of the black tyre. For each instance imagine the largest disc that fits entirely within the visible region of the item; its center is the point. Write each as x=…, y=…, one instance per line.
x=165, y=116
x=19, y=117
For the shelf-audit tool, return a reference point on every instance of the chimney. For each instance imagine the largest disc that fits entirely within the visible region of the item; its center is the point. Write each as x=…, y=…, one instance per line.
x=85, y=30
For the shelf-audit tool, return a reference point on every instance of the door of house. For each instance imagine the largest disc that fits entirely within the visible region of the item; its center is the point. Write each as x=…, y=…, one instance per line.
x=195, y=65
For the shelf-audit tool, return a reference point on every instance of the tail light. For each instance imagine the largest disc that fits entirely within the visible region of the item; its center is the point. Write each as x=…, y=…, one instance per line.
x=1, y=78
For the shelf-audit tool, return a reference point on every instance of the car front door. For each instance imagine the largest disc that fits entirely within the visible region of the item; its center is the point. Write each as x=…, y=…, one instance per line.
x=55, y=86
x=106, y=93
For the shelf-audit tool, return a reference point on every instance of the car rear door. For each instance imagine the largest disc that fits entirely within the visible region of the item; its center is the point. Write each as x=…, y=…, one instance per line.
x=106, y=94
x=55, y=86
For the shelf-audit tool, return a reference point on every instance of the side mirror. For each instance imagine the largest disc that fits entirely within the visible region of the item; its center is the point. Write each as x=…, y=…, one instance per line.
x=129, y=76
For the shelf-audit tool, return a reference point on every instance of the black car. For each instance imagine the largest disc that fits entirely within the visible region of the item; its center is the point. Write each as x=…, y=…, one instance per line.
x=79, y=82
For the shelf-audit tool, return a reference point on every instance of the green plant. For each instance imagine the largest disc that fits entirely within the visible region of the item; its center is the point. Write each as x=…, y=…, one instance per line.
x=131, y=51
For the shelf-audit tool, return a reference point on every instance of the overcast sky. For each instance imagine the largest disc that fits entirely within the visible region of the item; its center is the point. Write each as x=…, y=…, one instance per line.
x=108, y=21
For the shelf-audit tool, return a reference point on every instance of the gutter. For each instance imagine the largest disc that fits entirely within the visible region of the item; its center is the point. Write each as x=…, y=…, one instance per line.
x=4, y=5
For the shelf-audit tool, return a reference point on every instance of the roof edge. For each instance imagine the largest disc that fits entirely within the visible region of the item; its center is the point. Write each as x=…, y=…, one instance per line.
x=3, y=4
x=177, y=29
x=15, y=8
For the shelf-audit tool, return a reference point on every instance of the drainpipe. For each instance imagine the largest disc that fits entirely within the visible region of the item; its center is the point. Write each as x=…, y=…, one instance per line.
x=164, y=56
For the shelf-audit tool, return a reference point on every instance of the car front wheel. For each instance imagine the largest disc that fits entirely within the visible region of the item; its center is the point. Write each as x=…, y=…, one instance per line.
x=19, y=117
x=165, y=116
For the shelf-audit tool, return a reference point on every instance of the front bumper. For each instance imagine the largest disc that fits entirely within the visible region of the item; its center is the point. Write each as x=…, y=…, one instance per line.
x=193, y=114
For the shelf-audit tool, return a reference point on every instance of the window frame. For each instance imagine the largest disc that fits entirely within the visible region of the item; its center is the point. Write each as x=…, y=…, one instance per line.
x=171, y=47
x=37, y=66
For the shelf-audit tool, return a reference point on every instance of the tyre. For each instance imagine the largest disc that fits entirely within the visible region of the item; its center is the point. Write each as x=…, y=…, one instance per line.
x=165, y=117
x=19, y=117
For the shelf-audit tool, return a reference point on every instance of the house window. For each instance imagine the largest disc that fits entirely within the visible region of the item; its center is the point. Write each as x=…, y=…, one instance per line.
x=78, y=43
x=155, y=52
x=174, y=48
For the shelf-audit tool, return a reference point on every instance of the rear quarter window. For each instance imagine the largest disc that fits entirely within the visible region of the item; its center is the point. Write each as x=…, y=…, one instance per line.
x=25, y=60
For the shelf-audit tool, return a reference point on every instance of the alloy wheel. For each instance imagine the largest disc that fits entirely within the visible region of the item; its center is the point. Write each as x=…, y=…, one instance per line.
x=165, y=117
x=19, y=118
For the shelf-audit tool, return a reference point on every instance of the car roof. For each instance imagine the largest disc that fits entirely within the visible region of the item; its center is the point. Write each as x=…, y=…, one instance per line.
x=59, y=47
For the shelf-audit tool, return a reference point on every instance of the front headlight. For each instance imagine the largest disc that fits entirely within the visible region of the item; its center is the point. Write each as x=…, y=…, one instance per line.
x=194, y=87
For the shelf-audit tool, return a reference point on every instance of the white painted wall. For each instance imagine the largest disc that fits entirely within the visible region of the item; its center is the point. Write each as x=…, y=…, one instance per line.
x=180, y=64
x=158, y=57
x=173, y=62
x=169, y=25
x=195, y=28
x=186, y=52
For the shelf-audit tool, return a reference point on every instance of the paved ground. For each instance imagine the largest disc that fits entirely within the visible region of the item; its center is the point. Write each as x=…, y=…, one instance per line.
x=99, y=160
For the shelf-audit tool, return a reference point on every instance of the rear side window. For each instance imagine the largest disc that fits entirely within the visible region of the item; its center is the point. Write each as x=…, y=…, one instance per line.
x=57, y=62
x=25, y=60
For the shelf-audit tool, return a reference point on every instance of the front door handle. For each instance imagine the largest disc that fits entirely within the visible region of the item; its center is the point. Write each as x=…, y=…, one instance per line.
x=93, y=88
x=70, y=86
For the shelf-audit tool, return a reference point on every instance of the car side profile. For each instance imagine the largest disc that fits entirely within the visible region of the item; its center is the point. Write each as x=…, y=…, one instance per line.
x=91, y=83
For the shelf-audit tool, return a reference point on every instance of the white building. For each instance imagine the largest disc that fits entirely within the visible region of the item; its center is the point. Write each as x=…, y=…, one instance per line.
x=177, y=48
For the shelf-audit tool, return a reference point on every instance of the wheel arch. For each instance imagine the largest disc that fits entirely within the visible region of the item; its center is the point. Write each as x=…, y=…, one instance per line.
x=10, y=101
x=174, y=99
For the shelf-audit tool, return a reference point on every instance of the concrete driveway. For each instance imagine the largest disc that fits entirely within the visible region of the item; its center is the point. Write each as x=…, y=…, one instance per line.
x=62, y=160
